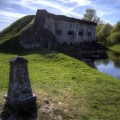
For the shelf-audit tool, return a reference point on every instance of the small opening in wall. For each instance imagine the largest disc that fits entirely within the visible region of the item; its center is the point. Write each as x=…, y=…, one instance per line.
x=81, y=33
x=89, y=33
x=58, y=44
x=70, y=32
x=58, y=32
x=71, y=43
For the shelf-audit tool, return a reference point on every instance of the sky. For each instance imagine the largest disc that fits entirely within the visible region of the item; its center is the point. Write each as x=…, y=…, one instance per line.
x=11, y=10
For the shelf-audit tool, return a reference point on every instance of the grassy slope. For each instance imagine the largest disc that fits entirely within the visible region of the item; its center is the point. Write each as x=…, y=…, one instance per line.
x=115, y=47
x=15, y=28
x=75, y=90
x=82, y=91
x=9, y=37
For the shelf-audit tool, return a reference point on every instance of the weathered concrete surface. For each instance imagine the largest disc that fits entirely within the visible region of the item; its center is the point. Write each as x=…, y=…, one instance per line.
x=44, y=31
x=38, y=38
x=19, y=89
x=66, y=26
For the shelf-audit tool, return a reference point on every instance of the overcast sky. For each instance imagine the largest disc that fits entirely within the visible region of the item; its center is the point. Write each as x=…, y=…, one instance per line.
x=11, y=10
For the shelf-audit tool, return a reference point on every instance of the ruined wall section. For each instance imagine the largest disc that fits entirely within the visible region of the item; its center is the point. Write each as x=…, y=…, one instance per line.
x=50, y=24
x=37, y=35
x=40, y=19
x=70, y=31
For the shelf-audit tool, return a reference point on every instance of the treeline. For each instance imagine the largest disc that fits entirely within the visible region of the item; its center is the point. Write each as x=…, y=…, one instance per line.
x=108, y=33
x=105, y=32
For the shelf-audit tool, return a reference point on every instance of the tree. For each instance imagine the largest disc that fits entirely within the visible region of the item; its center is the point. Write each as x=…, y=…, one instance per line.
x=104, y=32
x=98, y=29
x=90, y=15
x=115, y=33
x=117, y=27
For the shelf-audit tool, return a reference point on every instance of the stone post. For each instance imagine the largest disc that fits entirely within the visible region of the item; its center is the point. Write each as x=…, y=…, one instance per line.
x=19, y=89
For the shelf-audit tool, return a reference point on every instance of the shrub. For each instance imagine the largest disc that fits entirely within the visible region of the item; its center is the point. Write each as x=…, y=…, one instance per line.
x=115, y=37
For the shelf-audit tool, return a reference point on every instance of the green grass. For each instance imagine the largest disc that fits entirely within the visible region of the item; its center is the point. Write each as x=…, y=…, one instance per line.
x=15, y=28
x=112, y=46
x=75, y=90
x=115, y=47
x=9, y=37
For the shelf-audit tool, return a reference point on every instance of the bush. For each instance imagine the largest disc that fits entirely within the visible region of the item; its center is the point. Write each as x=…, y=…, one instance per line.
x=115, y=37
x=103, y=32
x=117, y=27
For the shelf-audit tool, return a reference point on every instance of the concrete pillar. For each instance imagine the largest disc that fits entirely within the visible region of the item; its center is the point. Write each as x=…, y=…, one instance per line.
x=85, y=34
x=93, y=34
x=66, y=38
x=88, y=34
x=19, y=89
x=77, y=34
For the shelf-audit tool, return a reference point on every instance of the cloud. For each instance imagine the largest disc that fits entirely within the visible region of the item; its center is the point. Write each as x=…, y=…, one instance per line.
x=80, y=3
x=11, y=10
x=23, y=4
x=105, y=8
x=61, y=8
x=9, y=16
x=6, y=18
x=16, y=9
x=65, y=7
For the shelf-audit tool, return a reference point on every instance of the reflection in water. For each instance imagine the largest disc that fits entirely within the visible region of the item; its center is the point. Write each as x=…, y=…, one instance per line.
x=115, y=57
x=110, y=66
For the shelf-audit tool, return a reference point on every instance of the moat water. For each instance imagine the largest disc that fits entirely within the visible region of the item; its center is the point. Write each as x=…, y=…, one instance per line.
x=105, y=61
x=110, y=65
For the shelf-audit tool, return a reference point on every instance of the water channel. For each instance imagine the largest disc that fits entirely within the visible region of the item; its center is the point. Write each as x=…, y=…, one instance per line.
x=110, y=65
x=103, y=60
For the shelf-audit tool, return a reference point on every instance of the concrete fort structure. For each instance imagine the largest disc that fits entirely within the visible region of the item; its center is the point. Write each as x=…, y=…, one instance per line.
x=49, y=30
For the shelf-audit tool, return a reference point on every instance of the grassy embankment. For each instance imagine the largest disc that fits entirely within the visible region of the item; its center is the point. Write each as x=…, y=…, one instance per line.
x=75, y=91
x=115, y=47
x=112, y=46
